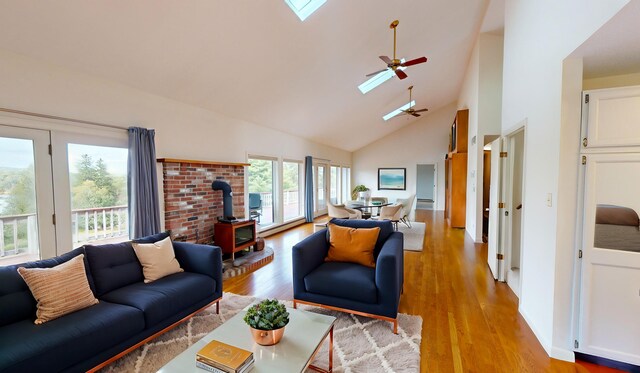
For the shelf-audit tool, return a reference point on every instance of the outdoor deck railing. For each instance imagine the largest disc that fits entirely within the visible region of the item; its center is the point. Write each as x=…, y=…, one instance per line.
x=19, y=233
x=99, y=222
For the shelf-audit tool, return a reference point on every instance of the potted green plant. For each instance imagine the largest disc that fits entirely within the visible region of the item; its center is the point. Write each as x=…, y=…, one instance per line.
x=266, y=321
x=357, y=190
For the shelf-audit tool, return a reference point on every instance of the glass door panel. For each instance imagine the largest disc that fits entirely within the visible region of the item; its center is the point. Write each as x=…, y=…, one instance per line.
x=25, y=196
x=98, y=186
x=261, y=191
x=320, y=186
x=291, y=184
x=335, y=185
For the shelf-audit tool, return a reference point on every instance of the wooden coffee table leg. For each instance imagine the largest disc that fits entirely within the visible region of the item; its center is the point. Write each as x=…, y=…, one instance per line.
x=317, y=369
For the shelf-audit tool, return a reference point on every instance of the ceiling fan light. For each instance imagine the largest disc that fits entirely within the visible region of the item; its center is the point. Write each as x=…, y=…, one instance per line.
x=377, y=79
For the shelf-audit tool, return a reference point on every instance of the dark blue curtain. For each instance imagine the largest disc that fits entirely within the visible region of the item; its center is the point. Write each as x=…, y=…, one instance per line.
x=308, y=188
x=144, y=211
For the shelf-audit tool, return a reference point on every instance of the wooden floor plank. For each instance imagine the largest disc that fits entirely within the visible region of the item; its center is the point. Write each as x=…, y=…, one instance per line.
x=470, y=322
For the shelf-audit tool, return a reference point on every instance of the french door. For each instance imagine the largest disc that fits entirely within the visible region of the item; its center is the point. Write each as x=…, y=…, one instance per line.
x=60, y=190
x=27, y=230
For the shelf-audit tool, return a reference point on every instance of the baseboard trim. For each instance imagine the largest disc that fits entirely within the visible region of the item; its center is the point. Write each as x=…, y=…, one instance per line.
x=543, y=342
x=563, y=354
x=608, y=362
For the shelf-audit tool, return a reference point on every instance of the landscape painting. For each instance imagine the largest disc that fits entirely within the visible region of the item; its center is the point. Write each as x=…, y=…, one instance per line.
x=392, y=178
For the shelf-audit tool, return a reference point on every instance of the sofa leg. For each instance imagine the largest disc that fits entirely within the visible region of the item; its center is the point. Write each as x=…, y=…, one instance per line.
x=395, y=326
x=295, y=305
x=218, y=307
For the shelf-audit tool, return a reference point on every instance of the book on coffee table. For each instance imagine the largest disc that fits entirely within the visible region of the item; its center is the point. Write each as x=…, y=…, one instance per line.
x=224, y=358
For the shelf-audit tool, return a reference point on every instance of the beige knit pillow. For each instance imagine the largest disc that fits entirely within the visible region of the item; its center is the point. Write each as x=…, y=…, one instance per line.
x=59, y=290
x=157, y=259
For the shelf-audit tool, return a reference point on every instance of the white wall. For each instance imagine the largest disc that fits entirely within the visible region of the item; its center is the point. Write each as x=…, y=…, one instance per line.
x=539, y=35
x=482, y=94
x=423, y=141
x=182, y=131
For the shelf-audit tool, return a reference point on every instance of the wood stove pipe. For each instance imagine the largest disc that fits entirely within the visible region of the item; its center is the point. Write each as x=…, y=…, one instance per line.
x=227, y=200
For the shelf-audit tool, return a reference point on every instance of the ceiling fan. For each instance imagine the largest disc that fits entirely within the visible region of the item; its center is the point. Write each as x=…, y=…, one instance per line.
x=411, y=110
x=395, y=63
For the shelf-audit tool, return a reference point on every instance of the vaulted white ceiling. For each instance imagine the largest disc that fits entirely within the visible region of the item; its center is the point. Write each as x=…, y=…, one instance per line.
x=254, y=60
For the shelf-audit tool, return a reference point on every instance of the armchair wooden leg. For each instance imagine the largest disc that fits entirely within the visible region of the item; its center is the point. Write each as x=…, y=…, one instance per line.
x=218, y=307
x=395, y=326
x=295, y=305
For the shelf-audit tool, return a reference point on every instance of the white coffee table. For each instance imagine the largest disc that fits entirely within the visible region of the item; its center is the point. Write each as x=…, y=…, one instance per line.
x=302, y=339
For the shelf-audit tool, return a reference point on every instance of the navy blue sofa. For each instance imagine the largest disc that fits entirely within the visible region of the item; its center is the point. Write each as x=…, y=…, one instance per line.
x=129, y=311
x=354, y=288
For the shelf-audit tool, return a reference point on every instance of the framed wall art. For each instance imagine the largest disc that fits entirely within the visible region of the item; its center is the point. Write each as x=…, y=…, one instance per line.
x=392, y=179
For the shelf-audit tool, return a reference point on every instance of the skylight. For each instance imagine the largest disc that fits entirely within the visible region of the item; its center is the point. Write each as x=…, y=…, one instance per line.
x=378, y=79
x=399, y=110
x=304, y=8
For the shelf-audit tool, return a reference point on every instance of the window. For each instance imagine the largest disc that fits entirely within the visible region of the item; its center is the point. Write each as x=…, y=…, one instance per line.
x=51, y=202
x=292, y=189
x=346, y=184
x=98, y=186
x=335, y=185
x=20, y=205
x=304, y=8
x=261, y=177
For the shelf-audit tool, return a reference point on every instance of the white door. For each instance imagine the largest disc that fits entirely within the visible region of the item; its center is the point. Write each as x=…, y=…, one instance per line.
x=610, y=280
x=27, y=230
x=495, y=253
x=321, y=188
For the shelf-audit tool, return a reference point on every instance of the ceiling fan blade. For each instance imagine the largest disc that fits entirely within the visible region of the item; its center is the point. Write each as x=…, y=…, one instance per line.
x=376, y=73
x=415, y=62
x=401, y=74
x=421, y=110
x=386, y=60
x=415, y=115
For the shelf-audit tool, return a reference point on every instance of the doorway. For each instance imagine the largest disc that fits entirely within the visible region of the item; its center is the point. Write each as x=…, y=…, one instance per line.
x=426, y=186
x=516, y=177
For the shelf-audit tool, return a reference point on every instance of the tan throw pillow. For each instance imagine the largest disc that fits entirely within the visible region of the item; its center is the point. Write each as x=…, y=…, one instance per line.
x=354, y=245
x=158, y=259
x=59, y=290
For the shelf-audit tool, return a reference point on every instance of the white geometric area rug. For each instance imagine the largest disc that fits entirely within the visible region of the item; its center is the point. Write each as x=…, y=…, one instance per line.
x=414, y=236
x=360, y=344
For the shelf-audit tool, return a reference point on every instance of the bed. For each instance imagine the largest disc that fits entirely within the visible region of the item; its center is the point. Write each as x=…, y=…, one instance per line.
x=617, y=228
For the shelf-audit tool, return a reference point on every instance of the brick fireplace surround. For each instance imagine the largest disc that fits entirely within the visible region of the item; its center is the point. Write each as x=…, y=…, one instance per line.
x=191, y=206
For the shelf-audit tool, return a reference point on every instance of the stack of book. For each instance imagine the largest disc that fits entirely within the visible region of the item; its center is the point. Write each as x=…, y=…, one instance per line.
x=218, y=357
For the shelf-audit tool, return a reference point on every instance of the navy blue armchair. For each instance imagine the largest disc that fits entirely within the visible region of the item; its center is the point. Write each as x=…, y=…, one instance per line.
x=349, y=287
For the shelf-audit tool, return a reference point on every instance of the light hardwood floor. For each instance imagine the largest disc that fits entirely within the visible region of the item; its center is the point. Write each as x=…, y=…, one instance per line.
x=470, y=322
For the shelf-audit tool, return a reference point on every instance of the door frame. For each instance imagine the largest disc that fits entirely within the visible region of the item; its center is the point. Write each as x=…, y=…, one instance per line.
x=510, y=206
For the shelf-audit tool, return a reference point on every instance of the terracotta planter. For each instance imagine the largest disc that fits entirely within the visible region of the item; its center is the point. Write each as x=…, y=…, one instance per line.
x=267, y=337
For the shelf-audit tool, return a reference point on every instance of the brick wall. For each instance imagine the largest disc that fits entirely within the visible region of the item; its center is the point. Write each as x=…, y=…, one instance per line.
x=191, y=206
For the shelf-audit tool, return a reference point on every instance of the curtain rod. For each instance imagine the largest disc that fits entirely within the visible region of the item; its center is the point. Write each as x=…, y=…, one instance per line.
x=61, y=118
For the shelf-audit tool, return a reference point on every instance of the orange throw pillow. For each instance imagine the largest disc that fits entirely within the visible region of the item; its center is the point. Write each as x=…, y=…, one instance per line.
x=353, y=245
